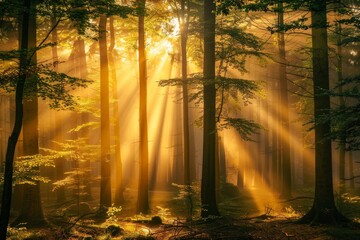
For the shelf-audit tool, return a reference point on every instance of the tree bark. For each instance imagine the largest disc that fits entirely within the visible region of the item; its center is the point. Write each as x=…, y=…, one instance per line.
x=10, y=152
x=351, y=170
x=119, y=196
x=275, y=156
x=186, y=145
x=105, y=182
x=208, y=192
x=284, y=113
x=143, y=195
x=31, y=212
x=323, y=210
x=342, y=140
x=58, y=135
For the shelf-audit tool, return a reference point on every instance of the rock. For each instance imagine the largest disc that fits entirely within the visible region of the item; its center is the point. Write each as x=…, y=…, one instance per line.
x=114, y=230
x=156, y=220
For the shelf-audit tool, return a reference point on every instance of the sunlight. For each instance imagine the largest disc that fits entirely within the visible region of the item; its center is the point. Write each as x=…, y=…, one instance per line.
x=161, y=47
x=240, y=159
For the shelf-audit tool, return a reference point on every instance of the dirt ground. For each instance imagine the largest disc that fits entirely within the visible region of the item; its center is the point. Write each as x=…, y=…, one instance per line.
x=258, y=229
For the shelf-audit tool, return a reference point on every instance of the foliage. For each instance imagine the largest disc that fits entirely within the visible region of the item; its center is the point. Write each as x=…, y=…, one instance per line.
x=244, y=127
x=238, y=89
x=19, y=233
x=78, y=153
x=27, y=169
x=188, y=199
x=112, y=214
x=49, y=84
x=81, y=13
x=345, y=119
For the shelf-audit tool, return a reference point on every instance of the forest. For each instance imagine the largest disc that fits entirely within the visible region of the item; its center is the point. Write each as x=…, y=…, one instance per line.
x=179, y=119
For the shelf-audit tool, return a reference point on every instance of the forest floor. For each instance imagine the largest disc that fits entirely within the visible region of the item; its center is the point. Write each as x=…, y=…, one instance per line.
x=243, y=217
x=224, y=229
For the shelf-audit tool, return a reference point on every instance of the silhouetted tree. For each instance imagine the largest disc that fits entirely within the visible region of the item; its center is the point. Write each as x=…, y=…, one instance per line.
x=143, y=195
x=323, y=209
x=105, y=182
x=208, y=193
x=9, y=160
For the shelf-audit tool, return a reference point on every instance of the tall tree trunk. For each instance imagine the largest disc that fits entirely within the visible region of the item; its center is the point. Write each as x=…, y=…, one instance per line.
x=10, y=152
x=342, y=141
x=105, y=185
x=275, y=156
x=351, y=170
x=284, y=113
x=31, y=212
x=84, y=118
x=119, y=196
x=323, y=209
x=143, y=195
x=208, y=192
x=58, y=135
x=267, y=150
x=186, y=145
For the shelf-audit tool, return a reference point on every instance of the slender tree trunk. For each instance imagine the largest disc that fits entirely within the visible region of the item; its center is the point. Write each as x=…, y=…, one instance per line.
x=208, y=192
x=119, y=196
x=275, y=158
x=284, y=113
x=178, y=162
x=31, y=212
x=10, y=152
x=323, y=209
x=351, y=170
x=105, y=185
x=58, y=135
x=186, y=145
x=143, y=195
x=267, y=158
x=342, y=141
x=84, y=118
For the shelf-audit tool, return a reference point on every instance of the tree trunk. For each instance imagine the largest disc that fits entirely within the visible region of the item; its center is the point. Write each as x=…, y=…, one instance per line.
x=342, y=140
x=143, y=195
x=208, y=193
x=284, y=114
x=119, y=196
x=31, y=212
x=84, y=118
x=323, y=209
x=275, y=158
x=105, y=182
x=10, y=151
x=186, y=146
x=351, y=170
x=58, y=135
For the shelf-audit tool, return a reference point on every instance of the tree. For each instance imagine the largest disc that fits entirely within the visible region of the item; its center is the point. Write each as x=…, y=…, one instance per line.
x=59, y=163
x=284, y=112
x=31, y=212
x=105, y=185
x=323, y=209
x=186, y=139
x=208, y=193
x=143, y=195
x=9, y=160
x=119, y=196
